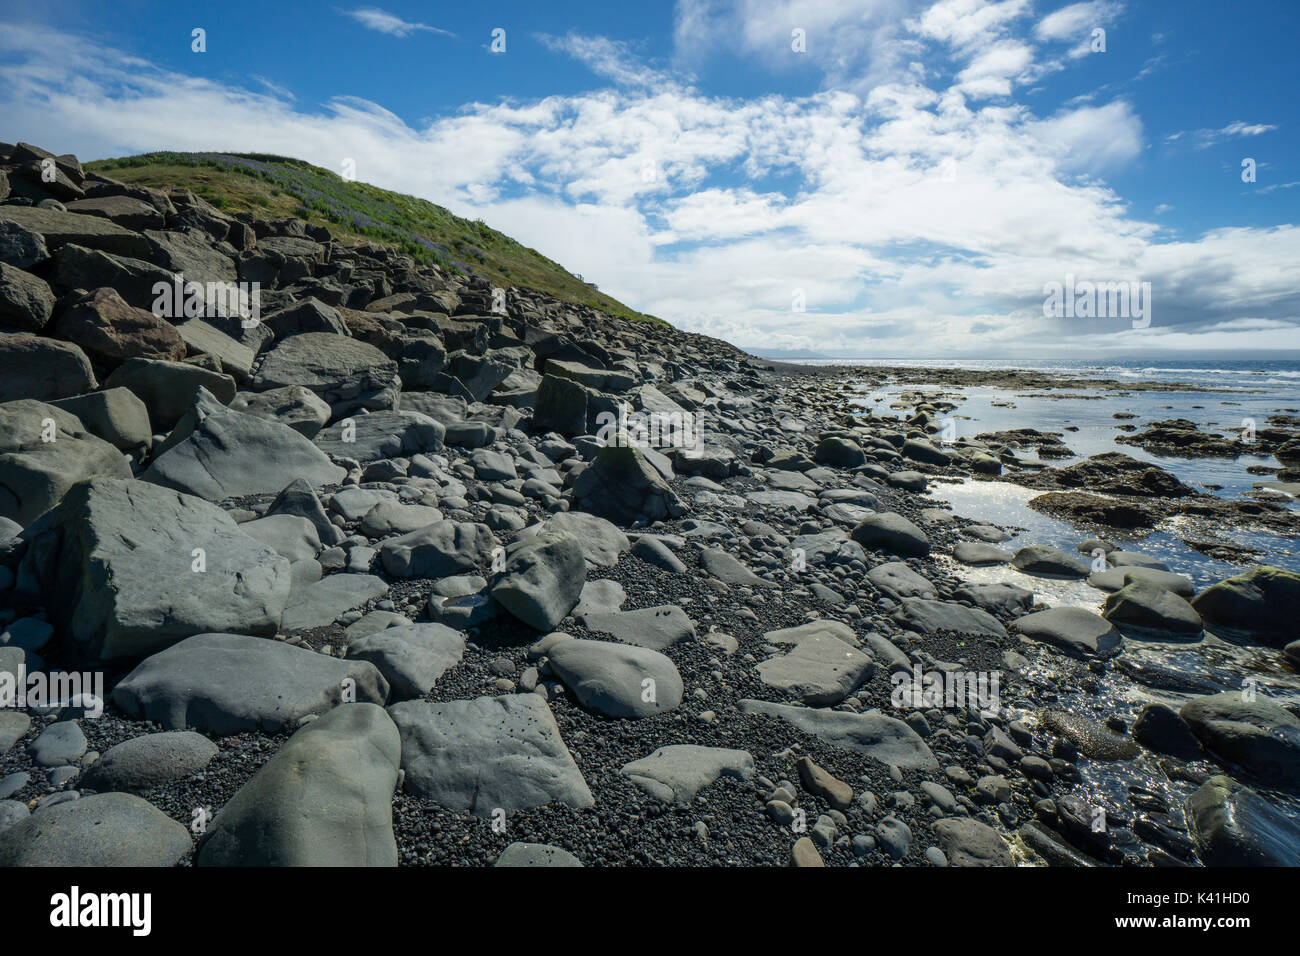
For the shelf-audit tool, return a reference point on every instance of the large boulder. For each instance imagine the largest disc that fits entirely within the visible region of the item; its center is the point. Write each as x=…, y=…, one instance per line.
x=1149, y=606
x=114, y=414
x=169, y=389
x=300, y=408
x=1075, y=630
x=822, y=669
x=621, y=485
x=560, y=406
x=112, y=331
x=325, y=799
x=1264, y=602
x=35, y=473
x=487, y=754
x=1258, y=734
x=42, y=369
x=410, y=656
x=542, y=580
x=149, y=761
x=216, y=452
x=440, y=550
x=26, y=301
x=231, y=683
x=347, y=373
x=59, y=228
x=118, y=563
x=382, y=434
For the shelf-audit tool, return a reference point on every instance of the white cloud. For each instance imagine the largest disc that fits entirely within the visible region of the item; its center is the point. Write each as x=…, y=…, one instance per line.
x=915, y=220
x=381, y=21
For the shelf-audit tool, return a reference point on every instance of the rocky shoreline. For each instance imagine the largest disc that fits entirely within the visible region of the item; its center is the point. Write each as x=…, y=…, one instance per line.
x=407, y=571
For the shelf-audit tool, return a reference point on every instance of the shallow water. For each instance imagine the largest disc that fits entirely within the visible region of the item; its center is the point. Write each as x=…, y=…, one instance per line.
x=1208, y=665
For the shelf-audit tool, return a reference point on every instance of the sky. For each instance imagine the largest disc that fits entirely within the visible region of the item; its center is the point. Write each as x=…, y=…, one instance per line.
x=848, y=178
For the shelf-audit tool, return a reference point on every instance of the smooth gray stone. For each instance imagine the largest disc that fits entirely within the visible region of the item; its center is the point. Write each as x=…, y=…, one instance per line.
x=1052, y=562
x=536, y=854
x=1008, y=598
x=542, y=580
x=325, y=799
x=653, y=551
x=116, y=560
x=287, y=535
x=216, y=452
x=892, y=533
x=294, y=406
x=107, y=829
x=884, y=738
x=323, y=601
x=927, y=617
x=114, y=414
x=1146, y=605
x=228, y=683
x=600, y=597
x=59, y=744
x=730, y=570
x=487, y=754
x=1073, y=629
x=617, y=680
x=978, y=553
x=602, y=542
x=1116, y=578
x=822, y=669
x=391, y=517
x=411, y=656
x=676, y=773
x=968, y=842
x=383, y=434
x=152, y=760
x=654, y=627
x=896, y=580
x=439, y=550
x=34, y=474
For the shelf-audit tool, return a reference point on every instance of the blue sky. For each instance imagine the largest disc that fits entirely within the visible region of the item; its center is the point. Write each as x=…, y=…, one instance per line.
x=913, y=177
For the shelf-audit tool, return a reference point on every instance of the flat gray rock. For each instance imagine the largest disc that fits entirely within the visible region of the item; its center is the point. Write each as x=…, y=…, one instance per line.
x=602, y=542
x=225, y=454
x=820, y=670
x=1074, y=630
x=968, y=842
x=653, y=627
x=599, y=597
x=730, y=570
x=676, y=773
x=381, y=434
x=410, y=656
x=289, y=536
x=884, y=738
x=392, y=517
x=980, y=553
x=927, y=617
x=58, y=745
x=896, y=580
x=536, y=854
x=321, y=602
x=227, y=683
x=487, y=754
x=1050, y=562
x=617, y=680
x=107, y=829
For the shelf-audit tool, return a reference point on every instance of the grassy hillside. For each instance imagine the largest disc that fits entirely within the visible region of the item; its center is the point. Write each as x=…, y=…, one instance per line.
x=276, y=186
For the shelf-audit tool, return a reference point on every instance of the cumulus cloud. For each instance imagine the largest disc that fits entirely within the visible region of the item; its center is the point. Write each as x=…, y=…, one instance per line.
x=912, y=217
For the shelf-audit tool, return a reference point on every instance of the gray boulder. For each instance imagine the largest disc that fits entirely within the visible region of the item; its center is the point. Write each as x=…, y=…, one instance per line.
x=107, y=829
x=1260, y=735
x=617, y=680
x=892, y=533
x=42, y=369
x=1075, y=630
x=347, y=373
x=487, y=754
x=440, y=550
x=884, y=738
x=35, y=474
x=170, y=389
x=325, y=799
x=621, y=485
x=152, y=760
x=382, y=434
x=230, y=683
x=410, y=656
x=675, y=774
x=117, y=563
x=542, y=580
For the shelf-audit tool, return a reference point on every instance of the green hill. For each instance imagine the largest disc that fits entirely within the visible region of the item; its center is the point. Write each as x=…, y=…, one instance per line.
x=277, y=186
